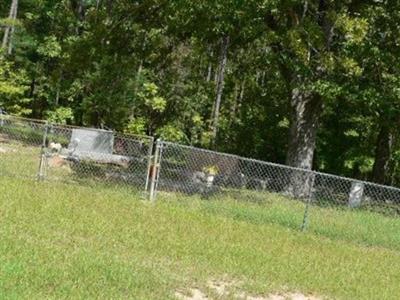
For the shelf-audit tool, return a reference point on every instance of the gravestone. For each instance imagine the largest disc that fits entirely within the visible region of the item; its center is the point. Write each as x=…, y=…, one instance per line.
x=98, y=141
x=356, y=194
x=95, y=145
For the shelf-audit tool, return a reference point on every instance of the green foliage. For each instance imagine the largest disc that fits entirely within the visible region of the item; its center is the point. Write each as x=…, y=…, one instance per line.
x=355, y=29
x=149, y=95
x=61, y=115
x=12, y=88
x=363, y=164
x=136, y=126
x=171, y=132
x=50, y=47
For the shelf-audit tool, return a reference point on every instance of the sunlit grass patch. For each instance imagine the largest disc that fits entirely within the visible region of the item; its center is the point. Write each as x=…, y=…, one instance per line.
x=74, y=241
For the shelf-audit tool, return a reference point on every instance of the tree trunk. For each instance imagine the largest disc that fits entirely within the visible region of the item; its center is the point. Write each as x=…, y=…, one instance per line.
x=306, y=107
x=81, y=11
x=109, y=7
x=383, y=153
x=305, y=111
x=220, y=87
x=136, y=88
x=209, y=71
x=14, y=17
x=9, y=30
x=78, y=7
x=263, y=79
x=238, y=98
x=216, y=73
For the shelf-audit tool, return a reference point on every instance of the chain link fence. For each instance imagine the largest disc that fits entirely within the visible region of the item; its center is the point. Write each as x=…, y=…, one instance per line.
x=21, y=143
x=325, y=204
x=36, y=149
x=236, y=187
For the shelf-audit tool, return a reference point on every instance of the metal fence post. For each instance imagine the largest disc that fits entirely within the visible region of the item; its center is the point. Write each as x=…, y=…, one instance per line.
x=308, y=203
x=1, y=117
x=42, y=162
x=155, y=168
x=149, y=159
x=160, y=154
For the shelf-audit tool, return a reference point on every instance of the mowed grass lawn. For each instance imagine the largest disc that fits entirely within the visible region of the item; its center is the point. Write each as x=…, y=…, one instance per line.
x=69, y=241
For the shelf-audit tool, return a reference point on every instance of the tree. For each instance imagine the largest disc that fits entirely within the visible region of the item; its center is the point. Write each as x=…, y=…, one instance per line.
x=10, y=27
x=310, y=43
x=310, y=83
x=12, y=88
x=227, y=23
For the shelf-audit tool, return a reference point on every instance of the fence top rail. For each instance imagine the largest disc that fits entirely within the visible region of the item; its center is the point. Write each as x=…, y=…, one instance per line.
x=70, y=127
x=119, y=134
x=280, y=165
x=12, y=117
x=236, y=157
x=369, y=183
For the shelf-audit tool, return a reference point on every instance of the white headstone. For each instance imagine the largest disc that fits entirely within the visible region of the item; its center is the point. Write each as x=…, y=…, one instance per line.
x=356, y=194
x=98, y=141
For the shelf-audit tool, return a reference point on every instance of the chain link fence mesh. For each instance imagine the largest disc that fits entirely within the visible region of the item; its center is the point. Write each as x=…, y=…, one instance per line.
x=35, y=149
x=185, y=172
x=236, y=187
x=20, y=146
x=325, y=204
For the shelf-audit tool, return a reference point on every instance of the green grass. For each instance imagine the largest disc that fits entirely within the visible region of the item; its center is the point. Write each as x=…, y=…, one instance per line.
x=363, y=227
x=87, y=240
x=18, y=159
x=69, y=241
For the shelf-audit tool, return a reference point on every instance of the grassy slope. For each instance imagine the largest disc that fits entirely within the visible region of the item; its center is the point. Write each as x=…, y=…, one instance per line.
x=69, y=241
x=356, y=226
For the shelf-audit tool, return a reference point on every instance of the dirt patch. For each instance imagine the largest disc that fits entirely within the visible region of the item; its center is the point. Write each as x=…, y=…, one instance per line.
x=59, y=162
x=225, y=289
x=4, y=150
x=195, y=294
x=285, y=296
x=222, y=287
